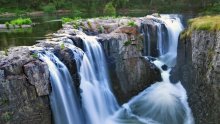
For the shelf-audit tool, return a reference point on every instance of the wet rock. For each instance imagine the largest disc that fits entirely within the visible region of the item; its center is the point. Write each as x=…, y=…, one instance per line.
x=164, y=67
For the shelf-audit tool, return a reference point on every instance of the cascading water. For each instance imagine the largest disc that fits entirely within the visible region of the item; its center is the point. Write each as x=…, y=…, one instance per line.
x=163, y=102
x=63, y=99
x=97, y=99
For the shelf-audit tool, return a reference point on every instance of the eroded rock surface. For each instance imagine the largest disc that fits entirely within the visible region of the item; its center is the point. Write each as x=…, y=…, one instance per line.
x=198, y=65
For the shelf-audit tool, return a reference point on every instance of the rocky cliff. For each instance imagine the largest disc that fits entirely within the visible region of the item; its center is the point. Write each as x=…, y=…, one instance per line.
x=198, y=68
x=24, y=80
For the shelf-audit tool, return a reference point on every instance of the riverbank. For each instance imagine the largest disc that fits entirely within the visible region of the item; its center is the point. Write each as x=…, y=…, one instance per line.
x=33, y=14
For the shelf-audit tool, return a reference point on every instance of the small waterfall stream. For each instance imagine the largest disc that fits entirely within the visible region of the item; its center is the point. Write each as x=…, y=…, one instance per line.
x=63, y=99
x=97, y=98
x=161, y=103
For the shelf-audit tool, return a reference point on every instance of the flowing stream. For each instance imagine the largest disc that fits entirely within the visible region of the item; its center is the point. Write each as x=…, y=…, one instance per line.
x=161, y=103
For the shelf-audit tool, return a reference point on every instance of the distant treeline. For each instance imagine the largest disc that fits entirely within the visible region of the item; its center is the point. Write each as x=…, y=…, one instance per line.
x=98, y=5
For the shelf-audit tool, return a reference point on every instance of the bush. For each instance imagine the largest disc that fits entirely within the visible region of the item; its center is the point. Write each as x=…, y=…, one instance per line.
x=7, y=24
x=109, y=9
x=50, y=8
x=132, y=24
x=21, y=21
x=66, y=20
x=127, y=43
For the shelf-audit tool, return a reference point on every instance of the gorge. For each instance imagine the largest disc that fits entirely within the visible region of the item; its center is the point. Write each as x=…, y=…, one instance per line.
x=109, y=71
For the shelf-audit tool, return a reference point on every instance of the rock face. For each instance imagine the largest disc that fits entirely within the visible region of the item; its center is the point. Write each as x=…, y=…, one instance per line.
x=20, y=100
x=198, y=65
x=38, y=75
x=130, y=73
x=24, y=80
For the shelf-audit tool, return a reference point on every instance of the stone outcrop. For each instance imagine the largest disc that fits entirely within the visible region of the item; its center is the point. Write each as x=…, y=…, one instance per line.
x=130, y=73
x=38, y=75
x=19, y=91
x=198, y=67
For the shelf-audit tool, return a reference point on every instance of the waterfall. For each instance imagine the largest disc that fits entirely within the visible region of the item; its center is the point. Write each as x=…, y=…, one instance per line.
x=64, y=103
x=162, y=102
x=174, y=26
x=168, y=28
x=97, y=99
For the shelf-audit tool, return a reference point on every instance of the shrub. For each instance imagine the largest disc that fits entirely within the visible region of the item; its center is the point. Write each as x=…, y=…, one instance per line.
x=35, y=55
x=62, y=46
x=7, y=24
x=66, y=20
x=7, y=116
x=101, y=29
x=89, y=24
x=127, y=43
x=109, y=9
x=6, y=51
x=21, y=21
x=132, y=24
x=50, y=8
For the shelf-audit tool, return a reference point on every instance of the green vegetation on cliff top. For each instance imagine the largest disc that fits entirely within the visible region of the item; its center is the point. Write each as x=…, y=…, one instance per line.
x=207, y=23
x=211, y=23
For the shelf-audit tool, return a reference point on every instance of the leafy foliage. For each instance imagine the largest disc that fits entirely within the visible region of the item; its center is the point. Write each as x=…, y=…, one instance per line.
x=7, y=116
x=35, y=55
x=49, y=8
x=21, y=21
x=7, y=24
x=62, y=46
x=132, y=24
x=109, y=9
x=127, y=43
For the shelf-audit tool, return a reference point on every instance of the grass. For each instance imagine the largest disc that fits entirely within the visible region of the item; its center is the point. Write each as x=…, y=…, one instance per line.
x=205, y=23
x=67, y=19
x=211, y=23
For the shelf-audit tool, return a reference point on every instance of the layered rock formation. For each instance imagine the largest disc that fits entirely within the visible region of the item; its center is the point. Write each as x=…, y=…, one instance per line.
x=198, y=67
x=24, y=80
